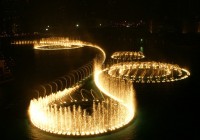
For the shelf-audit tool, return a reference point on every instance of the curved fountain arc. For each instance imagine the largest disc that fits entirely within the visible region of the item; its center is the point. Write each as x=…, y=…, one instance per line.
x=107, y=115
x=118, y=106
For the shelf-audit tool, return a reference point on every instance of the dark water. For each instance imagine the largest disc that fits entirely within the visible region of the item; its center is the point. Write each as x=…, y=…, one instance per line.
x=164, y=111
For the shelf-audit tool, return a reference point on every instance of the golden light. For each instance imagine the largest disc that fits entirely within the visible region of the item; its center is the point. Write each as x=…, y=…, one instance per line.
x=63, y=114
x=52, y=115
x=148, y=72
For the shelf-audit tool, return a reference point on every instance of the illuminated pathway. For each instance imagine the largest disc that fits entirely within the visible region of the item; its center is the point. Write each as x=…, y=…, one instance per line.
x=70, y=112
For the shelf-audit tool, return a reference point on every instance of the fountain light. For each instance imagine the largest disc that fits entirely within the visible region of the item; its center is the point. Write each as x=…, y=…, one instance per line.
x=127, y=55
x=74, y=113
x=64, y=114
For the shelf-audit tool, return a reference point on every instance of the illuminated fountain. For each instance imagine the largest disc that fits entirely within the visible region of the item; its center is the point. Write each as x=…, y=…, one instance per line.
x=68, y=109
x=24, y=42
x=72, y=118
x=55, y=43
x=143, y=71
x=148, y=72
x=65, y=113
x=127, y=55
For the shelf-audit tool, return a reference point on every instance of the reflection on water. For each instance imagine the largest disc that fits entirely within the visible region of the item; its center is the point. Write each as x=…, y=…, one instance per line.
x=126, y=133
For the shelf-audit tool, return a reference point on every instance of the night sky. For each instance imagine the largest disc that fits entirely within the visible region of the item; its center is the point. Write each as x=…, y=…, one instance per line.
x=115, y=8
x=67, y=12
x=112, y=8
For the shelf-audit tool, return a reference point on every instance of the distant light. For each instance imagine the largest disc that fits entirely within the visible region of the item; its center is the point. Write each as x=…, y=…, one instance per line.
x=141, y=40
x=47, y=29
x=48, y=26
x=77, y=25
x=141, y=49
x=100, y=24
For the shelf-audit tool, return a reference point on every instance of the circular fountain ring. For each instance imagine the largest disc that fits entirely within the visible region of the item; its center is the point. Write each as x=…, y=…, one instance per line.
x=57, y=47
x=148, y=72
x=127, y=55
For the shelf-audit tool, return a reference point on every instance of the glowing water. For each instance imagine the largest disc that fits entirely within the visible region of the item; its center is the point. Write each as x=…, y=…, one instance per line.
x=53, y=115
x=127, y=55
x=148, y=72
x=105, y=115
x=60, y=113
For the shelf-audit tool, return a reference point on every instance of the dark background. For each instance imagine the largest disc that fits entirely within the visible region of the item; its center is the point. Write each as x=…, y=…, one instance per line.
x=33, y=16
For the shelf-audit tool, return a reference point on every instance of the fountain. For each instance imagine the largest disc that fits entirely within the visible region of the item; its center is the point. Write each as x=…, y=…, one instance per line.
x=127, y=55
x=65, y=111
x=148, y=72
